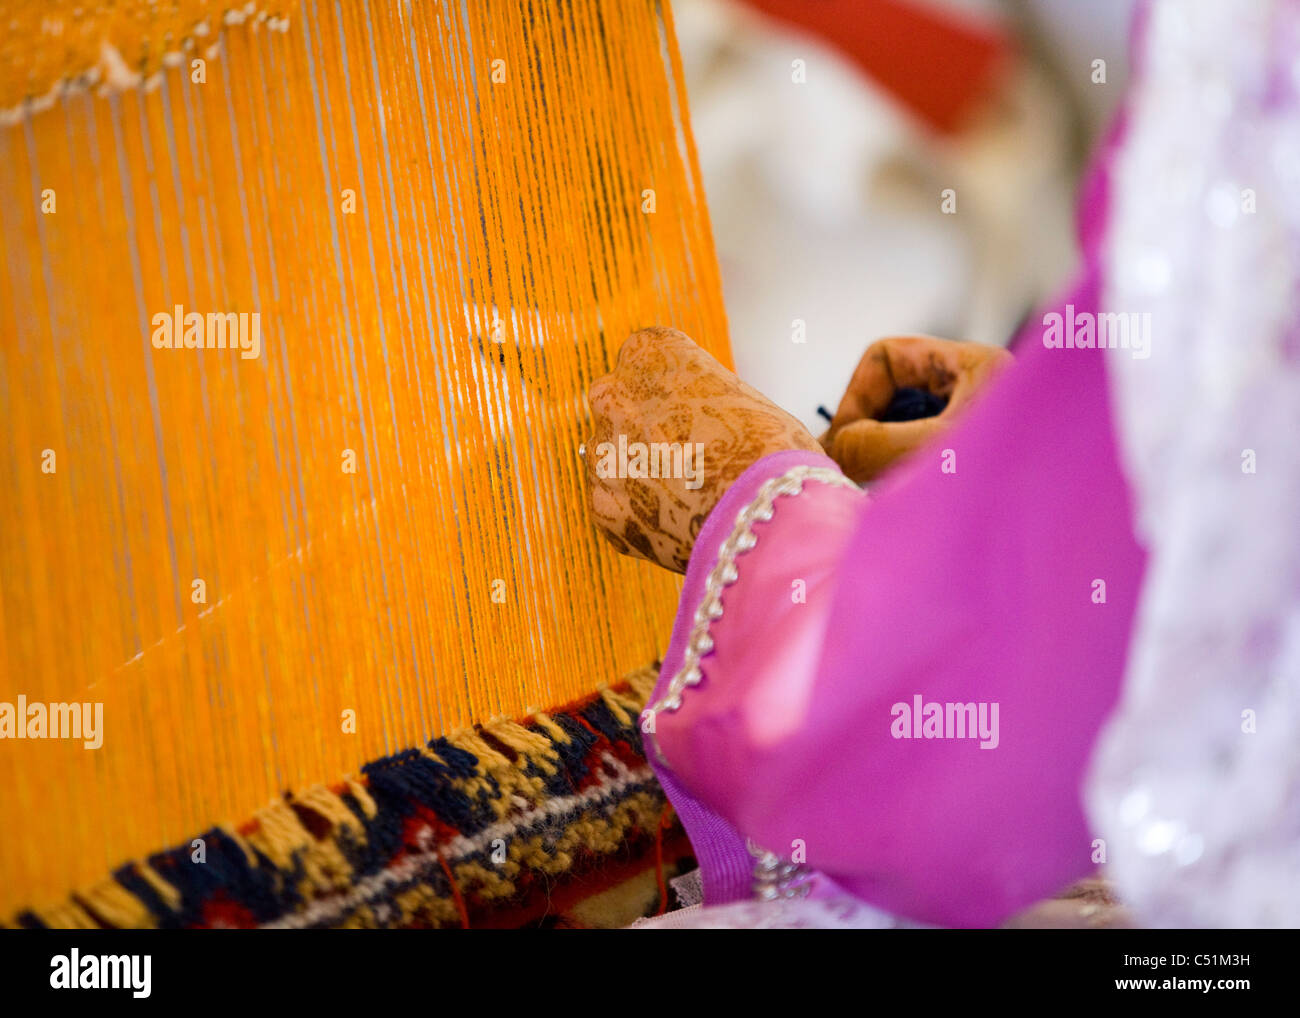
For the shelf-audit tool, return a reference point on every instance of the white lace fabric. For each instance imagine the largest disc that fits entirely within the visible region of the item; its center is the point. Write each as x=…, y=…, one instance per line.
x=1196, y=781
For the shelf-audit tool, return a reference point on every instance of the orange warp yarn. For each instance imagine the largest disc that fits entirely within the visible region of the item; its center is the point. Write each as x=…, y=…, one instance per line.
x=269, y=569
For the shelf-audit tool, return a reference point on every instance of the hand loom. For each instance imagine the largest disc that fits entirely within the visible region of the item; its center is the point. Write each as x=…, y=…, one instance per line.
x=360, y=656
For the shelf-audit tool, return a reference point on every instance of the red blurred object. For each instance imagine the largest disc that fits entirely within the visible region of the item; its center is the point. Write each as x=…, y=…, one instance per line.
x=939, y=64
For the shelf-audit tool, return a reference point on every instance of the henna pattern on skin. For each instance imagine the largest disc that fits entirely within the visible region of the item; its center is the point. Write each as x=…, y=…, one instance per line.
x=864, y=446
x=665, y=388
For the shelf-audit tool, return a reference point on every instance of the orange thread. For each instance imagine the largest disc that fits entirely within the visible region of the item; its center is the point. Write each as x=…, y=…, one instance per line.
x=455, y=891
x=665, y=822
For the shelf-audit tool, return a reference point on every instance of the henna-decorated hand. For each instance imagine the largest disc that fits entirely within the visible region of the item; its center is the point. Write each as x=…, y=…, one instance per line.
x=864, y=446
x=666, y=391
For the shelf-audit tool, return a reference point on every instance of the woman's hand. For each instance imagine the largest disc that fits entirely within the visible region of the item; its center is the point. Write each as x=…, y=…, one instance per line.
x=669, y=408
x=864, y=446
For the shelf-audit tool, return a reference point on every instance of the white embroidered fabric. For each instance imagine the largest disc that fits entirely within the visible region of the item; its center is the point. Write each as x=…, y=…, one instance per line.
x=1196, y=782
x=781, y=914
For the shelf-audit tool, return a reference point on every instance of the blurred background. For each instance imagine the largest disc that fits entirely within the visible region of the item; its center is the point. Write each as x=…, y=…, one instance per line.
x=880, y=167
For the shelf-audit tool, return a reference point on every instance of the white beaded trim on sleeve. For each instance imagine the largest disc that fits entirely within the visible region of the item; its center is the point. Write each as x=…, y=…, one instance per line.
x=723, y=574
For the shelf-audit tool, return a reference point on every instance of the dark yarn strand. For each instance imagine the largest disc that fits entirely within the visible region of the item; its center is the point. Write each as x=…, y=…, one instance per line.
x=912, y=404
x=907, y=404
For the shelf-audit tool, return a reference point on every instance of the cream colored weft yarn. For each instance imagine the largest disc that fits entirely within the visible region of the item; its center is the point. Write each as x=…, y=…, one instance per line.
x=447, y=217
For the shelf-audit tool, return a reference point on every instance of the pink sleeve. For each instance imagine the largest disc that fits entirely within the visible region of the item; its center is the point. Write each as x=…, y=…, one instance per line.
x=792, y=515
x=757, y=629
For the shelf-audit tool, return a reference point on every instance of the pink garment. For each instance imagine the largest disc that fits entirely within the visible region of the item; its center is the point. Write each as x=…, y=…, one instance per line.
x=972, y=586
x=975, y=585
